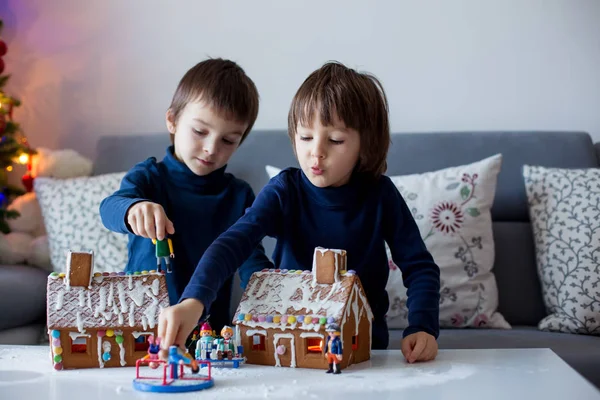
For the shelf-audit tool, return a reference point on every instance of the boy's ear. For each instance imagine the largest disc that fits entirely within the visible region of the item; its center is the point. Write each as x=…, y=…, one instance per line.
x=170, y=120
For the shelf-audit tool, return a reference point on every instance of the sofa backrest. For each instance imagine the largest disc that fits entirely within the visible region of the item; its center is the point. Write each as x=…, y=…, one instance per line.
x=518, y=285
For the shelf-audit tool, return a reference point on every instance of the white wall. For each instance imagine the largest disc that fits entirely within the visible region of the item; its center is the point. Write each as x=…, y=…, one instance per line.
x=89, y=68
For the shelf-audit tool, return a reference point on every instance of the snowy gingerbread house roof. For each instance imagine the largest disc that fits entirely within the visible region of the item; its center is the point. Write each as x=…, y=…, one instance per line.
x=80, y=300
x=304, y=299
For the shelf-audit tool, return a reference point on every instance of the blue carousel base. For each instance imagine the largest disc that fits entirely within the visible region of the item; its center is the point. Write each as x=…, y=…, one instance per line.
x=177, y=386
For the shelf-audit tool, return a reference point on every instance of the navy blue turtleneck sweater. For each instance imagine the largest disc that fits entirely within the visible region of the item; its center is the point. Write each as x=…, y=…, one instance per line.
x=200, y=207
x=358, y=217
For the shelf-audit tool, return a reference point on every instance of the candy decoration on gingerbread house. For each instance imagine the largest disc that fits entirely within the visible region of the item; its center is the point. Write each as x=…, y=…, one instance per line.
x=101, y=320
x=282, y=316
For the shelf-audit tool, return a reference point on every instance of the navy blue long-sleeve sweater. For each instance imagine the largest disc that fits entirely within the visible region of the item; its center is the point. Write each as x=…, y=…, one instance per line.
x=200, y=207
x=358, y=217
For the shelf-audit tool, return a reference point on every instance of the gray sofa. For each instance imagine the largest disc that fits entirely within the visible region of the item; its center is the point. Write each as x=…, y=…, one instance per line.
x=520, y=296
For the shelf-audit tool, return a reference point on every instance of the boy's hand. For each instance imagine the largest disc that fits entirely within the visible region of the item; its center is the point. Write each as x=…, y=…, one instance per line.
x=149, y=220
x=176, y=322
x=419, y=346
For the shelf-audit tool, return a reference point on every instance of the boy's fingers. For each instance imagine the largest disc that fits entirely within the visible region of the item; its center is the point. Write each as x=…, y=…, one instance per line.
x=139, y=222
x=159, y=220
x=149, y=225
x=418, y=349
x=162, y=325
x=170, y=227
x=406, y=348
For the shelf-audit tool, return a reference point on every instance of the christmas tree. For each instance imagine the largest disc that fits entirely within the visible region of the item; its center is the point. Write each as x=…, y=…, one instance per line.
x=13, y=147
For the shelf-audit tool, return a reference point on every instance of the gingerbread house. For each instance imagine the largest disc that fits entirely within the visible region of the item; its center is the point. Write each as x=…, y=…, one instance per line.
x=282, y=315
x=101, y=320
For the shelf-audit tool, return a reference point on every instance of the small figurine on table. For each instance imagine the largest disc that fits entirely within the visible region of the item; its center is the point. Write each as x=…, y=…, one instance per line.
x=164, y=250
x=205, y=343
x=226, y=346
x=153, y=349
x=177, y=357
x=333, y=349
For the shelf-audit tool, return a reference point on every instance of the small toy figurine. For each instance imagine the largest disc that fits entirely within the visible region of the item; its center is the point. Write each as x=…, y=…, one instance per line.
x=176, y=358
x=225, y=345
x=333, y=349
x=205, y=344
x=164, y=250
x=153, y=349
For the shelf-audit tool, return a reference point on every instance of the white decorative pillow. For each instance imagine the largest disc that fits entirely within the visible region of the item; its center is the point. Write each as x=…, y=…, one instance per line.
x=565, y=216
x=70, y=208
x=452, y=210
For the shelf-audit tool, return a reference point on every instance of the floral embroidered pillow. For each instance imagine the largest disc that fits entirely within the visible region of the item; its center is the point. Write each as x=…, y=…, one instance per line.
x=564, y=212
x=452, y=210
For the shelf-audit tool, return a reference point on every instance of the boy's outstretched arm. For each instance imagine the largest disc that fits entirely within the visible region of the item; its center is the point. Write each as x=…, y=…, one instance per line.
x=220, y=261
x=421, y=276
x=258, y=260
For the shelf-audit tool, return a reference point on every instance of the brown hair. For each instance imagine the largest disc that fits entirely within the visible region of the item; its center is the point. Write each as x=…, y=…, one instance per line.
x=357, y=99
x=224, y=85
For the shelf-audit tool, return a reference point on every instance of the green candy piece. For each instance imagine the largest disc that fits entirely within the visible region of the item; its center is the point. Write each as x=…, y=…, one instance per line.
x=322, y=320
x=57, y=358
x=119, y=339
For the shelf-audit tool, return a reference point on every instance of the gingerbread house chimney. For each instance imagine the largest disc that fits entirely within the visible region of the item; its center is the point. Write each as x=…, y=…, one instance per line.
x=79, y=268
x=327, y=265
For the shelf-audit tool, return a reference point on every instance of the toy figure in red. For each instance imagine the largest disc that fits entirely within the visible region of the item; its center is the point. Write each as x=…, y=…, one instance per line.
x=153, y=349
x=333, y=349
x=205, y=343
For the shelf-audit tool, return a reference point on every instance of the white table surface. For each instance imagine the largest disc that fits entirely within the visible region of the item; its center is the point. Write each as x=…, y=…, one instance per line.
x=26, y=373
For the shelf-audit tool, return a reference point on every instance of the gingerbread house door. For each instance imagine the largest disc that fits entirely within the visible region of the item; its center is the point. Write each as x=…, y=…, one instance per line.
x=284, y=350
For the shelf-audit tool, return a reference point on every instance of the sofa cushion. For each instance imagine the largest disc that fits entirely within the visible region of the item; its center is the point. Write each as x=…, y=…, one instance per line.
x=72, y=217
x=581, y=352
x=452, y=210
x=565, y=209
x=23, y=290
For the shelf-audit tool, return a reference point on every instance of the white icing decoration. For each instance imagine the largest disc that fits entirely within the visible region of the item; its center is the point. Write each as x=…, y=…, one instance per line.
x=137, y=294
x=276, y=338
x=110, y=294
x=130, y=282
x=122, y=298
x=155, y=287
x=100, y=361
x=131, y=315
x=252, y=332
x=144, y=279
x=59, y=299
x=81, y=298
x=137, y=334
x=121, y=349
x=310, y=334
x=75, y=335
x=79, y=322
x=89, y=300
x=102, y=303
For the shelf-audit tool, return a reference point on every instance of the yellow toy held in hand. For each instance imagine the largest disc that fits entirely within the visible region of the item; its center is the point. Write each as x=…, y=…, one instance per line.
x=164, y=249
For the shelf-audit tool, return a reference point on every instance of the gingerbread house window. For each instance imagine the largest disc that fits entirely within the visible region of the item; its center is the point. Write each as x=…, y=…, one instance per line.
x=314, y=345
x=258, y=342
x=355, y=342
x=79, y=344
x=141, y=343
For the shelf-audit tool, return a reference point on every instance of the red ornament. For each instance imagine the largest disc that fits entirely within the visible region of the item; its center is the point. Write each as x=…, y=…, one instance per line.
x=27, y=182
x=3, y=48
x=1, y=66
